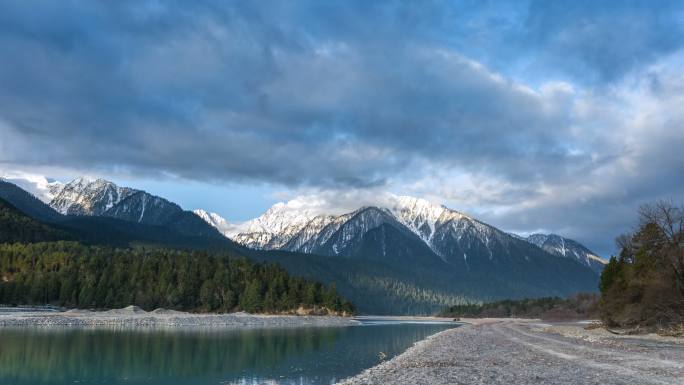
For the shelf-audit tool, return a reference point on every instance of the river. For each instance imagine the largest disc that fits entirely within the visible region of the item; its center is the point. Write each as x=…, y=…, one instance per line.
x=304, y=356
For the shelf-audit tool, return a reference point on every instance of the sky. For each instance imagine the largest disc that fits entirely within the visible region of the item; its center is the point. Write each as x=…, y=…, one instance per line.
x=548, y=116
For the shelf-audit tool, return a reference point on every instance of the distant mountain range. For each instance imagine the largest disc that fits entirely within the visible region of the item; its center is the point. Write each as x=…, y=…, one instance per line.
x=411, y=256
x=456, y=238
x=98, y=211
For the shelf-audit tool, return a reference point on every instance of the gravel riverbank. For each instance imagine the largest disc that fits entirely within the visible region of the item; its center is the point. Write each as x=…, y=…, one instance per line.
x=531, y=352
x=136, y=317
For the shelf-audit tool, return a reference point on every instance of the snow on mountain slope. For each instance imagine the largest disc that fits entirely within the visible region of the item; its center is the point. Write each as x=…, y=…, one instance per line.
x=100, y=197
x=448, y=233
x=144, y=208
x=422, y=216
x=316, y=233
x=564, y=247
x=435, y=223
x=84, y=196
x=221, y=224
x=294, y=225
x=213, y=219
x=277, y=226
x=356, y=225
x=456, y=238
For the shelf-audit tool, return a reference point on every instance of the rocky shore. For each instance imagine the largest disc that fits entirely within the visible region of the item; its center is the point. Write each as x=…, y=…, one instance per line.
x=135, y=317
x=531, y=352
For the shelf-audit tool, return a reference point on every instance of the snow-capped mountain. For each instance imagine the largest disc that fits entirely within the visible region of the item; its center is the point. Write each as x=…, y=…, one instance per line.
x=224, y=227
x=99, y=197
x=411, y=240
x=285, y=227
x=454, y=237
x=144, y=208
x=564, y=247
x=84, y=196
x=213, y=219
x=406, y=255
x=422, y=216
x=316, y=233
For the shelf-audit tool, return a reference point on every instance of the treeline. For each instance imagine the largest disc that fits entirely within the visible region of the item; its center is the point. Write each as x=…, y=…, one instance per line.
x=76, y=276
x=644, y=286
x=580, y=306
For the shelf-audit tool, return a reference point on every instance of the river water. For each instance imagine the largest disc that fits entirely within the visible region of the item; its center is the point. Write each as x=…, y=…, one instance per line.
x=203, y=356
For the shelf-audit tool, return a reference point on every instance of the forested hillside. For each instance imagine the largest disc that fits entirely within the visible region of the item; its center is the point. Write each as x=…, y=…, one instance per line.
x=17, y=227
x=27, y=203
x=40, y=265
x=72, y=275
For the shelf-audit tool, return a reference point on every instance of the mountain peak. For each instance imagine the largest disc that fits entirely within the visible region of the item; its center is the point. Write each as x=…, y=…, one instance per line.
x=419, y=207
x=294, y=224
x=282, y=217
x=213, y=219
x=422, y=216
x=564, y=247
x=82, y=180
x=86, y=196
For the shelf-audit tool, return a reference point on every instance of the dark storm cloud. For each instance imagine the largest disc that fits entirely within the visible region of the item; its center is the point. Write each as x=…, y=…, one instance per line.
x=329, y=93
x=326, y=94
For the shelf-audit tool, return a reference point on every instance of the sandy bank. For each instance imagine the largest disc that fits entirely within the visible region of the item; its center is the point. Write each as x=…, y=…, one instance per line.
x=135, y=317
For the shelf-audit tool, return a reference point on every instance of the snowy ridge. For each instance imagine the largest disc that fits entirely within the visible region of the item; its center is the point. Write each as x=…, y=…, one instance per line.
x=316, y=233
x=212, y=219
x=564, y=247
x=99, y=197
x=226, y=228
x=284, y=225
x=144, y=208
x=422, y=216
x=84, y=196
x=453, y=236
x=355, y=225
x=277, y=226
x=288, y=227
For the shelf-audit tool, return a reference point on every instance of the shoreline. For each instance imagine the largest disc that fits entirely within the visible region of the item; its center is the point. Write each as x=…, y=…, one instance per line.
x=134, y=317
x=517, y=351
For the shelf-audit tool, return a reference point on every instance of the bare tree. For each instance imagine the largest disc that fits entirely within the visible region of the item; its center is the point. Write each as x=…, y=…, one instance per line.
x=669, y=219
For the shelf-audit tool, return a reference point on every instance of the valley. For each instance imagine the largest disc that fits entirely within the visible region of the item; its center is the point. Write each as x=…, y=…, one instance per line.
x=408, y=257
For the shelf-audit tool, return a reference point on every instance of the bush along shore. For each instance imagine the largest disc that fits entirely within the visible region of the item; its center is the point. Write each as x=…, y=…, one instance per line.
x=72, y=275
x=641, y=290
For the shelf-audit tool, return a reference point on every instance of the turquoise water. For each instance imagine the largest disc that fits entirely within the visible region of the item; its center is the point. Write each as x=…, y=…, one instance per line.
x=205, y=356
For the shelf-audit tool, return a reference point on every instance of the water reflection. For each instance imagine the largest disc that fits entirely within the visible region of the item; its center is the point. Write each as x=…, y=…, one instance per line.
x=283, y=356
